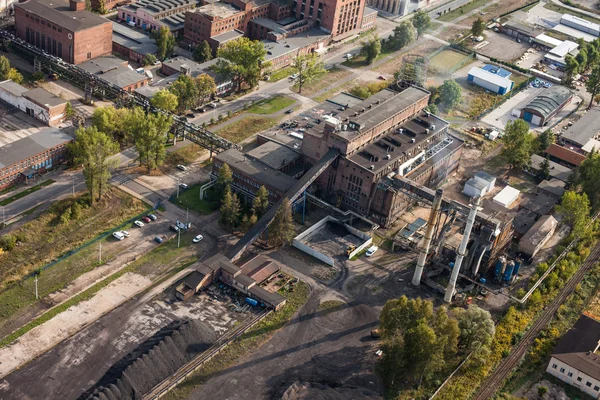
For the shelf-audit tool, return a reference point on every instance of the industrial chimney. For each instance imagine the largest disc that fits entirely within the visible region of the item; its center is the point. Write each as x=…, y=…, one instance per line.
x=77, y=5
x=462, y=248
x=433, y=215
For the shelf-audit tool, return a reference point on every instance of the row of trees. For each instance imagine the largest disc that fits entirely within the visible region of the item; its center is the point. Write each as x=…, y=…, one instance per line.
x=186, y=92
x=281, y=229
x=587, y=61
x=404, y=34
x=7, y=72
x=419, y=342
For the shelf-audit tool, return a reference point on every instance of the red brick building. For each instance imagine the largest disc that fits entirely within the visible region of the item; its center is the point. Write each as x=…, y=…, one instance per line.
x=341, y=18
x=65, y=30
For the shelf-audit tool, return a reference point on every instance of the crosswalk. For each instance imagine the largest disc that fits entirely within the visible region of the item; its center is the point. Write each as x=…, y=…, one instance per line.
x=120, y=179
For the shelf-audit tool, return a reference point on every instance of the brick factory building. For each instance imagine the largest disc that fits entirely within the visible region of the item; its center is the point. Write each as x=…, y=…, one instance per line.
x=117, y=72
x=386, y=136
x=64, y=30
x=26, y=157
x=132, y=44
x=150, y=15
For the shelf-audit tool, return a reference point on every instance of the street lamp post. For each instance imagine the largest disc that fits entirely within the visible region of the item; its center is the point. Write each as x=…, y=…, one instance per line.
x=177, y=187
x=3, y=218
x=178, y=237
x=73, y=183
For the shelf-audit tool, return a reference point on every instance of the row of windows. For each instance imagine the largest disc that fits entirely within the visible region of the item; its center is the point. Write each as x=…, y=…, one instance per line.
x=43, y=22
x=44, y=42
x=570, y=375
x=13, y=177
x=37, y=159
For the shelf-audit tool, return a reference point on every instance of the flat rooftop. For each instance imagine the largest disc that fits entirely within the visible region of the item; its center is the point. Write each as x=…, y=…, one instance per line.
x=13, y=88
x=227, y=36
x=32, y=145
x=194, y=67
x=587, y=127
x=274, y=154
x=133, y=39
x=59, y=12
x=154, y=7
x=292, y=43
x=395, y=144
x=43, y=97
x=217, y=10
x=256, y=170
x=102, y=64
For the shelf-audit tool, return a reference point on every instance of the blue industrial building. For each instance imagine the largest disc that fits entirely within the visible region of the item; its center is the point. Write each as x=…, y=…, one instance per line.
x=492, y=78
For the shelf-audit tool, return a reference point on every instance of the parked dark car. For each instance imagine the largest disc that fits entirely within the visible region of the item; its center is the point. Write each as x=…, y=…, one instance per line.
x=174, y=228
x=158, y=239
x=152, y=217
x=146, y=220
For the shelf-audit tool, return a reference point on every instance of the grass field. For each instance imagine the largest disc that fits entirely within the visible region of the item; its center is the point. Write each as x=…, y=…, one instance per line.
x=446, y=60
x=184, y=155
x=271, y=106
x=564, y=10
x=47, y=237
x=465, y=9
x=244, y=345
x=246, y=127
x=280, y=74
x=24, y=193
x=191, y=199
x=323, y=81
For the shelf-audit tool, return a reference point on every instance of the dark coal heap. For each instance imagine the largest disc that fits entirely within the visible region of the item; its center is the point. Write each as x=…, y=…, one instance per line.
x=153, y=361
x=319, y=391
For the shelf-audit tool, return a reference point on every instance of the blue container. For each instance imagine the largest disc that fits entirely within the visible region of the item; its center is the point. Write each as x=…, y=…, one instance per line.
x=498, y=268
x=451, y=264
x=482, y=280
x=509, y=271
x=252, y=302
x=517, y=266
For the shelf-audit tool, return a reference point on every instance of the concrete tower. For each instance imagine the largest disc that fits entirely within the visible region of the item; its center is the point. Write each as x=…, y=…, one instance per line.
x=433, y=215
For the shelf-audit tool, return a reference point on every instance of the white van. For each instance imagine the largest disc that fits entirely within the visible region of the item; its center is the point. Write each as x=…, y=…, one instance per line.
x=371, y=251
x=118, y=235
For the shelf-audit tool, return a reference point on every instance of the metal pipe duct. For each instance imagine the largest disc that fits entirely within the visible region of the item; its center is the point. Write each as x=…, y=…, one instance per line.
x=462, y=249
x=433, y=215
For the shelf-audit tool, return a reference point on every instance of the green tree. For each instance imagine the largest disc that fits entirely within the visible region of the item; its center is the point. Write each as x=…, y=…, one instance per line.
x=593, y=84
x=403, y=35
x=230, y=209
x=542, y=390
x=88, y=5
x=518, y=143
x=571, y=69
x=69, y=111
x=4, y=68
x=588, y=178
x=101, y=9
x=150, y=139
x=92, y=149
x=202, y=52
x=575, y=209
x=165, y=41
x=282, y=227
x=478, y=27
x=544, y=172
x=371, y=48
x=149, y=59
x=432, y=108
x=421, y=22
x=243, y=60
x=307, y=67
x=260, y=204
x=111, y=121
x=164, y=100
x=450, y=94
x=477, y=331
x=582, y=59
x=248, y=222
x=544, y=140
x=224, y=179
x=205, y=87
x=66, y=216
x=186, y=91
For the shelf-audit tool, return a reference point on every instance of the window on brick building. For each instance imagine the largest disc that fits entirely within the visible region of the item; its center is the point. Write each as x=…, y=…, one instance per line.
x=89, y=55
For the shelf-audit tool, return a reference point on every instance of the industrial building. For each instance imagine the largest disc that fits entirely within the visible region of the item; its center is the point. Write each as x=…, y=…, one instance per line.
x=537, y=236
x=580, y=24
x=132, y=44
x=31, y=155
x=546, y=105
x=181, y=65
x=492, y=78
x=479, y=185
x=400, y=8
x=117, y=72
x=557, y=170
x=562, y=154
x=281, y=51
x=220, y=268
x=150, y=15
x=65, y=30
x=520, y=31
x=584, y=130
x=38, y=103
x=575, y=359
x=556, y=55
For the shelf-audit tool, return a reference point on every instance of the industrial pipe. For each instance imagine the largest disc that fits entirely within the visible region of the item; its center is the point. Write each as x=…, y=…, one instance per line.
x=433, y=215
x=462, y=249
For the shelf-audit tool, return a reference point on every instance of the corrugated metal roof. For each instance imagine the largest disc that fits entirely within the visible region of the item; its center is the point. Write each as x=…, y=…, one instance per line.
x=489, y=77
x=549, y=100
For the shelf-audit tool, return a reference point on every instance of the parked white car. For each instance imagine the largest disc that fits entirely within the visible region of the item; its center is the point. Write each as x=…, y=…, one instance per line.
x=118, y=235
x=371, y=251
x=139, y=223
x=198, y=238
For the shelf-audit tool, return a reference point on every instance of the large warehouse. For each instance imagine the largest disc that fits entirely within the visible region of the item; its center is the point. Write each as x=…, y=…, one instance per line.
x=546, y=105
x=492, y=78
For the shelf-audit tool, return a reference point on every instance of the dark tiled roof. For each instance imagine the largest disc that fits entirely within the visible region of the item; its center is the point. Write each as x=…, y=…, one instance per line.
x=562, y=153
x=576, y=348
x=59, y=12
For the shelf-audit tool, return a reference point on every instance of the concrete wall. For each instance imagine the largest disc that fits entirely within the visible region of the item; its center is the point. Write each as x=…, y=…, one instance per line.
x=23, y=104
x=297, y=242
x=368, y=240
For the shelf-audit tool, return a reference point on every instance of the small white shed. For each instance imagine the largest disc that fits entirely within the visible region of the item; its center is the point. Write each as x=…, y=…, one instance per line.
x=487, y=179
x=507, y=196
x=473, y=188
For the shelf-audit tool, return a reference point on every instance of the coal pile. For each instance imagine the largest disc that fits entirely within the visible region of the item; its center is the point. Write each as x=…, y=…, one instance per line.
x=317, y=391
x=153, y=361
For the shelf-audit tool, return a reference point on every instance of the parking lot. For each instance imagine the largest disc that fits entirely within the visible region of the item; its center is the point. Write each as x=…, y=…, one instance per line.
x=502, y=47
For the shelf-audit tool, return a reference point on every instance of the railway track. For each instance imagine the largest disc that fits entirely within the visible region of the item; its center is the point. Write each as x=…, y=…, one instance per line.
x=169, y=383
x=507, y=365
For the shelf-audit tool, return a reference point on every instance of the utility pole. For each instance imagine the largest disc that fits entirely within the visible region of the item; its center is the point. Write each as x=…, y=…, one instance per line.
x=36, y=286
x=100, y=253
x=187, y=215
x=73, y=183
x=178, y=237
x=3, y=218
x=177, y=187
